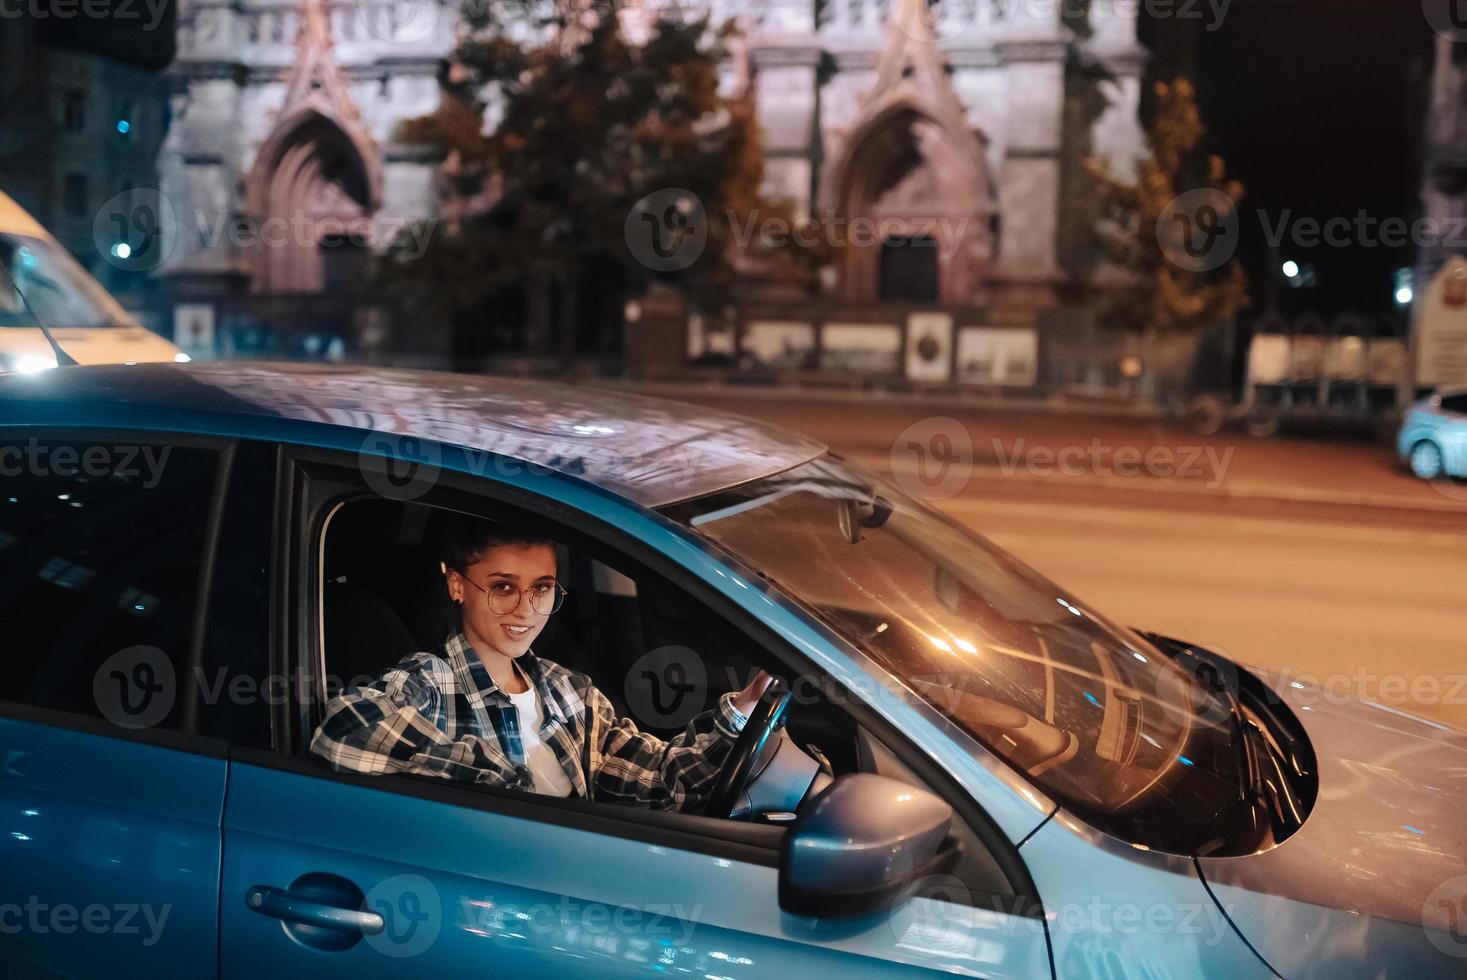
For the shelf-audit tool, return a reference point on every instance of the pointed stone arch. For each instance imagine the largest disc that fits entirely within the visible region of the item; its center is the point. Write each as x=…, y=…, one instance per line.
x=316, y=180
x=912, y=167
x=311, y=186
x=904, y=175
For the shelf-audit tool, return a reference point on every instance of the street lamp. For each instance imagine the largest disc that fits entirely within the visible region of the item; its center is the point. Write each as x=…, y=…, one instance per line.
x=1405, y=293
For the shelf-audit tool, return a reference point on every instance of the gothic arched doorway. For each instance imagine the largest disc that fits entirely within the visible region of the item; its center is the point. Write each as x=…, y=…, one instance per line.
x=914, y=199
x=311, y=195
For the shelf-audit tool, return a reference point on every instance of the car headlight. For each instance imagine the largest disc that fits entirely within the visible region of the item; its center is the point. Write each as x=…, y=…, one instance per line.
x=26, y=363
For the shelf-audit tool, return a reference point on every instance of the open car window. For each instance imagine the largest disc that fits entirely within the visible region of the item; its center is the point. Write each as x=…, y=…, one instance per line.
x=658, y=654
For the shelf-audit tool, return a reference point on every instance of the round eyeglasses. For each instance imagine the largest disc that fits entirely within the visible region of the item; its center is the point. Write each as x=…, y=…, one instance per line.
x=504, y=598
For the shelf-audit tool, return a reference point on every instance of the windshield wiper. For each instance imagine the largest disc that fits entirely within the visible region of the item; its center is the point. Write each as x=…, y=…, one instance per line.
x=1261, y=775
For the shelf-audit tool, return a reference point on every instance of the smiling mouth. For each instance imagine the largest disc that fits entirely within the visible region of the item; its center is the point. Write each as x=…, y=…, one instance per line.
x=515, y=630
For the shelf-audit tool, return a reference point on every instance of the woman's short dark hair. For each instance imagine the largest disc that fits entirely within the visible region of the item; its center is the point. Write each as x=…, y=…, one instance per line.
x=463, y=539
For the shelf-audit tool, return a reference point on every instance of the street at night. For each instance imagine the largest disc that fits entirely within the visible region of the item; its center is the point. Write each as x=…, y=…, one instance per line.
x=735, y=489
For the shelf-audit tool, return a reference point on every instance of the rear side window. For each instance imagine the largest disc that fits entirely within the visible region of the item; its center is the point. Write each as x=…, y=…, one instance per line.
x=1455, y=403
x=101, y=546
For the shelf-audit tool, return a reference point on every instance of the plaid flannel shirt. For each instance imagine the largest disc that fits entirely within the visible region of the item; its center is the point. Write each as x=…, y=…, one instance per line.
x=444, y=716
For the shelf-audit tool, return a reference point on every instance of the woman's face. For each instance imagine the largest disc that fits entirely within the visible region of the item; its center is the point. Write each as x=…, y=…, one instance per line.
x=516, y=566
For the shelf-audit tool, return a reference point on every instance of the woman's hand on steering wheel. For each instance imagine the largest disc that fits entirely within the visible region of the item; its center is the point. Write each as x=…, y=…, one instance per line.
x=745, y=700
x=765, y=716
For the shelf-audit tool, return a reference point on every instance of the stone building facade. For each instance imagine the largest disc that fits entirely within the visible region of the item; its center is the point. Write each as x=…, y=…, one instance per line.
x=1439, y=287
x=76, y=130
x=888, y=112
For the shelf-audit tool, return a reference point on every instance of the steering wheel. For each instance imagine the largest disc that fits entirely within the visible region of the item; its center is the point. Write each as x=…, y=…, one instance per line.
x=738, y=768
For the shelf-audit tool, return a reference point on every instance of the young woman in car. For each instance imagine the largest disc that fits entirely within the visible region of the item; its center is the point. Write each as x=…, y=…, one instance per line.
x=485, y=709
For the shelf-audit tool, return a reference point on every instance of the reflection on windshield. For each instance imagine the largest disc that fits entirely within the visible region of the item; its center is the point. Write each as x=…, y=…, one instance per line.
x=1099, y=718
x=39, y=280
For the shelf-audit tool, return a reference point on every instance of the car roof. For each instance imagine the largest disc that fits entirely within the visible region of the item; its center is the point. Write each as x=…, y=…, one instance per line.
x=648, y=450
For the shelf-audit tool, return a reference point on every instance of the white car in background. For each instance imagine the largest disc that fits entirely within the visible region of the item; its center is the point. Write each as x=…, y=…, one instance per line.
x=41, y=283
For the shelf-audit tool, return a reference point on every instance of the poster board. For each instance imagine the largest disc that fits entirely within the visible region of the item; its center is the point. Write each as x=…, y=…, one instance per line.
x=864, y=348
x=998, y=356
x=779, y=344
x=929, y=346
x=1441, y=328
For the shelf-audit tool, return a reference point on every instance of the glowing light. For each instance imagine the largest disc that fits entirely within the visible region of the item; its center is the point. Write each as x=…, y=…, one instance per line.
x=1291, y=268
x=941, y=644
x=1185, y=761
x=965, y=646
x=30, y=364
x=182, y=358
x=122, y=250
x=124, y=127
x=1404, y=295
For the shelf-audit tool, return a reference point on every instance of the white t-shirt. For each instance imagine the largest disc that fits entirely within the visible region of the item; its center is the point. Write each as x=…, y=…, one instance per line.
x=545, y=771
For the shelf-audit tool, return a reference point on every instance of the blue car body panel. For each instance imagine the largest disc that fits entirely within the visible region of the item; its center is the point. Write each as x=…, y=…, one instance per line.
x=1118, y=911
x=109, y=855
x=470, y=893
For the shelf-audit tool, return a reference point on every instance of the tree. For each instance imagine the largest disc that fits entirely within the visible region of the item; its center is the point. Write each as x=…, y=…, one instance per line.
x=583, y=122
x=1169, y=233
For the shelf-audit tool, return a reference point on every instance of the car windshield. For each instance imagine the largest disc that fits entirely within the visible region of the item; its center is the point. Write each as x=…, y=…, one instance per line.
x=39, y=280
x=1091, y=712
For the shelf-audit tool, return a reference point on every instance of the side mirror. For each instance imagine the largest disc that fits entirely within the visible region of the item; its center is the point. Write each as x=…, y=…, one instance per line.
x=859, y=844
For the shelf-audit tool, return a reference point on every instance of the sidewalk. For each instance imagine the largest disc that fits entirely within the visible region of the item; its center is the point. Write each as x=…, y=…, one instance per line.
x=1060, y=448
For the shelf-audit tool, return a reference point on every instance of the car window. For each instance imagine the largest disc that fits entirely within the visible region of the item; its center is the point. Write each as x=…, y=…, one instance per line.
x=383, y=598
x=100, y=549
x=1455, y=403
x=658, y=653
x=40, y=281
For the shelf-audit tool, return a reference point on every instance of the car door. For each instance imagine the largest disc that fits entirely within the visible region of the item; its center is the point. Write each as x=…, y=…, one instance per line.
x=371, y=876
x=110, y=796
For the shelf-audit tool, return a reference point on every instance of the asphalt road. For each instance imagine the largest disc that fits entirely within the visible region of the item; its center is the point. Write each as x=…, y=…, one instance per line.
x=1316, y=558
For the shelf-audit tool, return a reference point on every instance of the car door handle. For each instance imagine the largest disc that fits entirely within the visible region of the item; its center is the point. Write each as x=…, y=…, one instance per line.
x=293, y=908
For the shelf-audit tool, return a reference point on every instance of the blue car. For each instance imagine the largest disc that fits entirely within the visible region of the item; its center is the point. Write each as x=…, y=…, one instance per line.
x=196, y=558
x=1433, y=436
